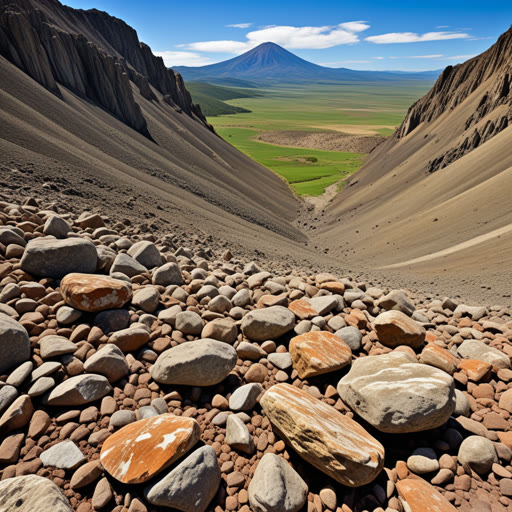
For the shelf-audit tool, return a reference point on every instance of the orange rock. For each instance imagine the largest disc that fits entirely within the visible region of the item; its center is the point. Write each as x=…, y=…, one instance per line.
x=333, y=443
x=318, y=352
x=356, y=318
x=333, y=287
x=430, y=337
x=266, y=301
x=436, y=356
x=324, y=278
x=505, y=438
x=142, y=449
x=301, y=309
x=475, y=370
x=394, y=328
x=420, y=496
x=93, y=293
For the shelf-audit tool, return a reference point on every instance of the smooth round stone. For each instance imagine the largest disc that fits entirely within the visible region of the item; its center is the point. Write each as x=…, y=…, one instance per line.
x=478, y=453
x=423, y=460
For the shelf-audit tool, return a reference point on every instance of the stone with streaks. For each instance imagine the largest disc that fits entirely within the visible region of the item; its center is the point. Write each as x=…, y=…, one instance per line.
x=141, y=450
x=330, y=441
x=318, y=352
x=420, y=496
x=395, y=328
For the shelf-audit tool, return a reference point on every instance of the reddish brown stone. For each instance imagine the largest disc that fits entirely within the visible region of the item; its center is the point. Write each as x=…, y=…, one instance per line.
x=420, y=496
x=142, y=449
x=318, y=352
x=93, y=293
x=475, y=370
x=439, y=357
x=301, y=309
x=356, y=319
x=333, y=287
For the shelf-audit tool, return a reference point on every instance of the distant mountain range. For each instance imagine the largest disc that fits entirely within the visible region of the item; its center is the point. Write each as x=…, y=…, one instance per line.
x=270, y=62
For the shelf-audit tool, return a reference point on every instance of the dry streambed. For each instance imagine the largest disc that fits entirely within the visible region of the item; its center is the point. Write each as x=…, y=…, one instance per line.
x=137, y=374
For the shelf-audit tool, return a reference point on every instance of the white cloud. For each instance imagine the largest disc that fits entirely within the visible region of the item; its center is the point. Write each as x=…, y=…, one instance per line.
x=183, y=58
x=438, y=56
x=443, y=26
x=310, y=38
x=379, y=58
x=240, y=25
x=460, y=57
x=411, y=37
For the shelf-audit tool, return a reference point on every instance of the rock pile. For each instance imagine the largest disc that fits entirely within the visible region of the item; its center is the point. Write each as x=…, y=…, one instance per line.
x=138, y=375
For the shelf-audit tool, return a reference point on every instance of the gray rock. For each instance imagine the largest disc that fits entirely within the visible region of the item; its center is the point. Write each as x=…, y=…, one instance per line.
x=122, y=418
x=276, y=486
x=80, y=390
x=167, y=275
x=7, y=310
x=207, y=291
x=127, y=265
x=474, y=349
x=169, y=315
x=147, y=299
x=477, y=453
x=56, y=226
x=245, y=397
x=336, y=323
x=14, y=344
x=32, y=493
x=108, y=361
x=112, y=320
x=146, y=254
x=189, y=322
x=67, y=315
x=396, y=394
x=48, y=257
x=18, y=376
x=7, y=396
x=462, y=407
x=282, y=360
x=17, y=415
x=191, y=485
x=203, y=362
x=106, y=257
x=242, y=298
x=45, y=369
x=41, y=386
x=237, y=435
x=146, y=412
x=475, y=312
x=160, y=405
x=53, y=346
x=9, y=292
x=351, y=336
x=322, y=305
x=249, y=351
x=423, y=460
x=64, y=455
x=220, y=304
x=268, y=323
x=9, y=236
x=397, y=300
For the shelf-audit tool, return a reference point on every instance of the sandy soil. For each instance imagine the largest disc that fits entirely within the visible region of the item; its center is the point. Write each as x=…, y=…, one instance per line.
x=322, y=140
x=354, y=129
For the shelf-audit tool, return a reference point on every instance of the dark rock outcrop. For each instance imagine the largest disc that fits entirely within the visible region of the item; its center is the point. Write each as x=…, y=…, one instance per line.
x=95, y=55
x=491, y=71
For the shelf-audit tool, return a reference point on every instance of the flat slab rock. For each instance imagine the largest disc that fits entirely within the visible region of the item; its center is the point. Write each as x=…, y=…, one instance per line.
x=395, y=393
x=80, y=390
x=330, y=441
x=94, y=293
x=301, y=309
x=32, y=493
x=139, y=451
x=420, y=496
x=64, y=455
x=318, y=352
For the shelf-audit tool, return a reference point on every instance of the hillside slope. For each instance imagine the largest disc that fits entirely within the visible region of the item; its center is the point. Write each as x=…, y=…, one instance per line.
x=435, y=198
x=89, y=113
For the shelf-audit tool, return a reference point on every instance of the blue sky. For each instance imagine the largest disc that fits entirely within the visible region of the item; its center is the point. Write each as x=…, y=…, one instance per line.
x=354, y=34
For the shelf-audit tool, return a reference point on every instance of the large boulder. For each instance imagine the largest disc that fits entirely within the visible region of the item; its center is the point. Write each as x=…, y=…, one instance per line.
x=203, y=362
x=474, y=349
x=48, y=257
x=191, y=485
x=394, y=328
x=141, y=450
x=276, y=486
x=268, y=323
x=94, y=293
x=318, y=352
x=330, y=441
x=396, y=394
x=32, y=493
x=14, y=343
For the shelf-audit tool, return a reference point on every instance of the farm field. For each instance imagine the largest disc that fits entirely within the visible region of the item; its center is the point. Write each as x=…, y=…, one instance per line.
x=361, y=109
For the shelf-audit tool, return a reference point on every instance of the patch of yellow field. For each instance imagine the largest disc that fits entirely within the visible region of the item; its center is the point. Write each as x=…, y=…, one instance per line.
x=354, y=129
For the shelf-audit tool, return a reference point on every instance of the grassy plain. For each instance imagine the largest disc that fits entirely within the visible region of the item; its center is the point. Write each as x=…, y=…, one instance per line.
x=357, y=108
